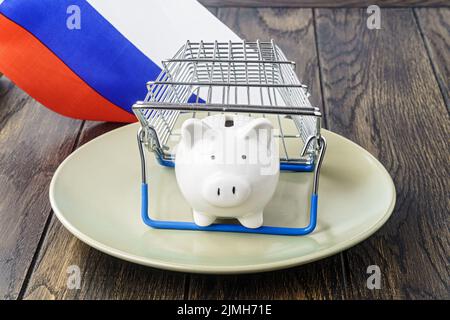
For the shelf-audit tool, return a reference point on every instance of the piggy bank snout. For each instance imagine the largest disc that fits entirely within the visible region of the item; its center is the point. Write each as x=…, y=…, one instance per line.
x=226, y=191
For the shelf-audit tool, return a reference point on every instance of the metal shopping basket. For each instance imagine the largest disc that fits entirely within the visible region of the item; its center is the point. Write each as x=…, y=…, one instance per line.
x=254, y=78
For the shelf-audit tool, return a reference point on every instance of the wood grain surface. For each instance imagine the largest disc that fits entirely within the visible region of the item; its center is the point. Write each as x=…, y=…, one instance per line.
x=324, y=3
x=380, y=91
x=33, y=142
x=387, y=90
x=435, y=27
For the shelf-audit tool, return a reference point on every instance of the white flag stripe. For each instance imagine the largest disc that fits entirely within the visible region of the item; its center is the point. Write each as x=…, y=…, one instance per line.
x=160, y=27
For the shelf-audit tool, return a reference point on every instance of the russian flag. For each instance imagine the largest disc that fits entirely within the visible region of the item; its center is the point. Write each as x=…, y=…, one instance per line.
x=91, y=59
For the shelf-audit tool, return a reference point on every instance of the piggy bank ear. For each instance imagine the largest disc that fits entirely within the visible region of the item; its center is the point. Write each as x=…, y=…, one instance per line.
x=260, y=128
x=192, y=131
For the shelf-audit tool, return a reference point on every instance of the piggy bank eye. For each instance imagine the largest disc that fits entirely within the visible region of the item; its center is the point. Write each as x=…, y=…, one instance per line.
x=244, y=156
x=213, y=157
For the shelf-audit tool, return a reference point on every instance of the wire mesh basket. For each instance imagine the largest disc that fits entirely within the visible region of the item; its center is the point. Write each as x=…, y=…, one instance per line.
x=253, y=78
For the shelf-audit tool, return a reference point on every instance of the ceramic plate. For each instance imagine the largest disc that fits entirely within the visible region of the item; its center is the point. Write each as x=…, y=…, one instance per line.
x=95, y=193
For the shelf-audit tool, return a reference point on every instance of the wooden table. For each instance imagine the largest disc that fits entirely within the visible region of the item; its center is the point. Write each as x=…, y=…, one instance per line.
x=387, y=90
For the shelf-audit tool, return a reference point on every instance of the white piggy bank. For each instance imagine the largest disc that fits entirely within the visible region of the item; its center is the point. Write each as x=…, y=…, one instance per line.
x=227, y=166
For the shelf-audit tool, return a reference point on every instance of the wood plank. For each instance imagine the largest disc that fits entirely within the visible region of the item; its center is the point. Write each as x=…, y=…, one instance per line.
x=33, y=141
x=102, y=276
x=324, y=3
x=380, y=91
x=435, y=27
x=293, y=32
x=318, y=280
